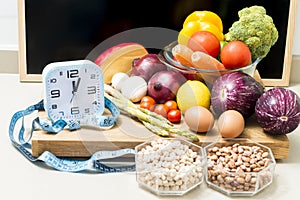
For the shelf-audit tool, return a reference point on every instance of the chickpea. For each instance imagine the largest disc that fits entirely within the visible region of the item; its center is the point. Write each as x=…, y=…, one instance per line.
x=169, y=165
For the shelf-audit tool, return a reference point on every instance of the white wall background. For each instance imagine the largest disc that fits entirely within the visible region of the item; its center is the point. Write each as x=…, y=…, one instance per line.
x=9, y=27
x=296, y=49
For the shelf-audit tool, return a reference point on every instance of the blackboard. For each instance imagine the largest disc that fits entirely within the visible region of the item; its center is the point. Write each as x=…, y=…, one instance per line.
x=59, y=30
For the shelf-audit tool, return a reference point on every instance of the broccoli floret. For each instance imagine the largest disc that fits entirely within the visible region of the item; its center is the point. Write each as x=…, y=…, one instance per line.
x=256, y=29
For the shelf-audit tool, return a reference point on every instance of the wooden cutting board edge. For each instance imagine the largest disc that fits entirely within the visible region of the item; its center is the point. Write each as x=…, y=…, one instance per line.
x=86, y=141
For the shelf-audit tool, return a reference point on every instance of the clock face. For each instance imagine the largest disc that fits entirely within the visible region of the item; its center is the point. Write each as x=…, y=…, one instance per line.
x=73, y=90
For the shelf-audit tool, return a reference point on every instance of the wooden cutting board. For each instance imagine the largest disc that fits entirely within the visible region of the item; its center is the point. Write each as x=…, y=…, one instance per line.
x=128, y=133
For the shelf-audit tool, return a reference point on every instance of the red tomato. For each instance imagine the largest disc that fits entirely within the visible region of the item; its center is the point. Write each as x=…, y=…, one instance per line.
x=148, y=99
x=206, y=42
x=171, y=104
x=161, y=109
x=147, y=105
x=235, y=54
x=174, y=116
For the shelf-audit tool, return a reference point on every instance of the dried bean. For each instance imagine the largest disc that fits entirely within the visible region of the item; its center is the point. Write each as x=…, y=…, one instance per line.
x=239, y=159
x=265, y=154
x=215, y=149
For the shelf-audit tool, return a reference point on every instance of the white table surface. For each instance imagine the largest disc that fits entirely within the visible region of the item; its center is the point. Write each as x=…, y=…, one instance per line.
x=21, y=179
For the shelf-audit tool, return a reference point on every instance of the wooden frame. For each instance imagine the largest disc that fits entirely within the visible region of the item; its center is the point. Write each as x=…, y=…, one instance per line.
x=285, y=78
x=24, y=76
x=283, y=81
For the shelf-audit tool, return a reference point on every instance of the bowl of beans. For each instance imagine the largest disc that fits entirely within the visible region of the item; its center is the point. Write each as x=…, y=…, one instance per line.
x=170, y=166
x=239, y=167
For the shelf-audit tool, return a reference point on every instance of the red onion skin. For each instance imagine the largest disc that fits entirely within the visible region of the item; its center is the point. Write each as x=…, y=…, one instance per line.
x=235, y=91
x=163, y=85
x=278, y=111
x=147, y=66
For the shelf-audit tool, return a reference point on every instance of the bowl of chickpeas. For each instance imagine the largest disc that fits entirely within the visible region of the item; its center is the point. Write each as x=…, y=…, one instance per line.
x=239, y=167
x=169, y=166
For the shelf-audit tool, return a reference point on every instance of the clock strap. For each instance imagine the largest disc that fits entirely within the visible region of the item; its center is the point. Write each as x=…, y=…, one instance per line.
x=61, y=164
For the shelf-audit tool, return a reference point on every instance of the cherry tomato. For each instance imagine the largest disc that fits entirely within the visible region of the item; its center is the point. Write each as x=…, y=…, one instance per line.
x=174, y=116
x=206, y=42
x=148, y=99
x=171, y=104
x=147, y=105
x=161, y=109
x=235, y=54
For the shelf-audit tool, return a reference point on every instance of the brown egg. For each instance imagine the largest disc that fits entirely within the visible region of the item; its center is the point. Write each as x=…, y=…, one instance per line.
x=199, y=119
x=231, y=124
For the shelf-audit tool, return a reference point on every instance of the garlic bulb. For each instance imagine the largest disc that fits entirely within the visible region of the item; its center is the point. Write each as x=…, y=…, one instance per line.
x=118, y=80
x=134, y=88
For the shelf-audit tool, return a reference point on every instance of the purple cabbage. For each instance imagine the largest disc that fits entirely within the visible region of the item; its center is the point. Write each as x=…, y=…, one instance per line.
x=278, y=111
x=235, y=91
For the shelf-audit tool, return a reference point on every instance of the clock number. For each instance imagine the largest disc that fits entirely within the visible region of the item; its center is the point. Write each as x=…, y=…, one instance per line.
x=93, y=76
x=73, y=73
x=53, y=80
x=91, y=89
x=75, y=111
x=55, y=93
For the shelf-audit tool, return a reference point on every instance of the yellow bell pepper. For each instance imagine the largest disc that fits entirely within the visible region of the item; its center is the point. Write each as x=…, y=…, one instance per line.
x=194, y=26
x=205, y=16
x=187, y=32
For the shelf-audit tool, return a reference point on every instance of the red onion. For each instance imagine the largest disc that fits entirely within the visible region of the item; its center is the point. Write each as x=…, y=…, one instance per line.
x=163, y=85
x=147, y=66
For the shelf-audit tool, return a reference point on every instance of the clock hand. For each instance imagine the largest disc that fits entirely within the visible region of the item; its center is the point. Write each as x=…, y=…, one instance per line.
x=75, y=86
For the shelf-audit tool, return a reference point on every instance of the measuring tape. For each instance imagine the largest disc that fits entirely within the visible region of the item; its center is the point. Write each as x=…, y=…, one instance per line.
x=62, y=164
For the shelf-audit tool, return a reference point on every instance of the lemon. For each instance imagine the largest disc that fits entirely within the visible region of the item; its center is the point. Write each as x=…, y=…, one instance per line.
x=192, y=93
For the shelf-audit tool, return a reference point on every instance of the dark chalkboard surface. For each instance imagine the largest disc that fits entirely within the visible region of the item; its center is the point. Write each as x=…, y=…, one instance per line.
x=59, y=30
